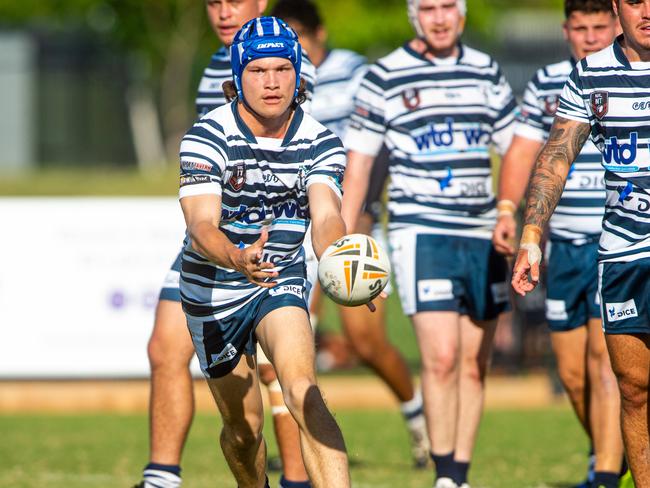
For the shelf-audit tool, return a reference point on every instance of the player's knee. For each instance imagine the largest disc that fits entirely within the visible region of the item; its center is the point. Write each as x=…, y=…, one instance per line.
x=297, y=393
x=444, y=366
x=164, y=356
x=242, y=433
x=634, y=393
x=267, y=374
x=573, y=381
x=474, y=370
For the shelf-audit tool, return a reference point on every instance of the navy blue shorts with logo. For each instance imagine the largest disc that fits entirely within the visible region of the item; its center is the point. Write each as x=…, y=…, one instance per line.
x=449, y=273
x=571, y=285
x=625, y=296
x=171, y=288
x=219, y=344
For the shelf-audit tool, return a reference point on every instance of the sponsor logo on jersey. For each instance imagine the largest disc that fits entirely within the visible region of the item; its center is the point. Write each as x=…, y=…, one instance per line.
x=435, y=136
x=196, y=165
x=551, y=104
x=621, y=310
x=621, y=153
x=226, y=354
x=599, y=103
x=411, y=98
x=289, y=209
x=238, y=177
x=641, y=106
x=194, y=179
x=284, y=289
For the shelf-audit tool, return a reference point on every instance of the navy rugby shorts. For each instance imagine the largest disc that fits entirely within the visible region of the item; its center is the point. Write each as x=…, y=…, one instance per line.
x=625, y=296
x=571, y=285
x=219, y=344
x=449, y=273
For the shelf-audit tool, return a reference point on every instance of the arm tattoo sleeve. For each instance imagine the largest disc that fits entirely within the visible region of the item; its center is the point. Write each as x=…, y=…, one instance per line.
x=545, y=188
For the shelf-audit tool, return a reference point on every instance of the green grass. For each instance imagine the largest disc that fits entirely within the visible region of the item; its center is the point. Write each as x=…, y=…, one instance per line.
x=516, y=449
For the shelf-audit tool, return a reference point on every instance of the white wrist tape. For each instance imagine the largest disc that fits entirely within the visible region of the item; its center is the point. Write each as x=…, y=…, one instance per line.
x=534, y=252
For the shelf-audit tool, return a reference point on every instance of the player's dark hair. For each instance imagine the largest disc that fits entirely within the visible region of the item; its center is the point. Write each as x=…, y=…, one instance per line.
x=587, y=7
x=303, y=11
x=230, y=92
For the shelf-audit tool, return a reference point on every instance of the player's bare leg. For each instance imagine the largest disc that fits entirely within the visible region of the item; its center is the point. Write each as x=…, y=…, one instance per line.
x=287, y=338
x=570, y=348
x=171, y=404
x=286, y=430
x=475, y=348
x=239, y=400
x=438, y=337
x=604, y=403
x=630, y=357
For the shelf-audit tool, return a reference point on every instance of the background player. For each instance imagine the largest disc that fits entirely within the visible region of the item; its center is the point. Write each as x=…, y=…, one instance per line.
x=604, y=99
x=572, y=304
x=249, y=171
x=439, y=105
x=170, y=349
x=339, y=73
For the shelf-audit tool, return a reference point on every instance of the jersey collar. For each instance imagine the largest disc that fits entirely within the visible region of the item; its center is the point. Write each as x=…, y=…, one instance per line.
x=296, y=120
x=414, y=53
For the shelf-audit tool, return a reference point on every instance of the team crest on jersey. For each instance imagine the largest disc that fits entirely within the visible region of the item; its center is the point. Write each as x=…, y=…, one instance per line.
x=238, y=177
x=599, y=103
x=551, y=104
x=411, y=98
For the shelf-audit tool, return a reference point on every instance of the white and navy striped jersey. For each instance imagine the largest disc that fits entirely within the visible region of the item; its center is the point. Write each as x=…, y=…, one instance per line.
x=438, y=121
x=579, y=214
x=262, y=183
x=611, y=94
x=210, y=95
x=339, y=76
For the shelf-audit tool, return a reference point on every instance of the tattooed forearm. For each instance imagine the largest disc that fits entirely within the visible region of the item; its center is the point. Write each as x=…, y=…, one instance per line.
x=552, y=167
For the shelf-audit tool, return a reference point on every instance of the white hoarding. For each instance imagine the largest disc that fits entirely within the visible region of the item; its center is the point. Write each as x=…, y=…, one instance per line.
x=79, y=280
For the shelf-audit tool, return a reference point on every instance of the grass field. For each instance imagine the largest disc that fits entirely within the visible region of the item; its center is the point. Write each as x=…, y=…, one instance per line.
x=516, y=449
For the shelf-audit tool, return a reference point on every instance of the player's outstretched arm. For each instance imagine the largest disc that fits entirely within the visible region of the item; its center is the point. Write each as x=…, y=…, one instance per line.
x=551, y=169
x=355, y=187
x=202, y=219
x=516, y=167
x=326, y=222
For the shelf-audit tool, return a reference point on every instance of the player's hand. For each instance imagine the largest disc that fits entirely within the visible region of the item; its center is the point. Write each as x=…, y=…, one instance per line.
x=525, y=276
x=371, y=305
x=503, y=237
x=249, y=263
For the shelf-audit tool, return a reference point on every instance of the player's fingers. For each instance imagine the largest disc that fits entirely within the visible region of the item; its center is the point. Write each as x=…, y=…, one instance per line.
x=266, y=265
x=534, y=273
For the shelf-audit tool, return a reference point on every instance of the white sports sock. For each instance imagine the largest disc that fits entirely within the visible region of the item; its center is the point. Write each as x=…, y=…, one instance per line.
x=413, y=407
x=155, y=478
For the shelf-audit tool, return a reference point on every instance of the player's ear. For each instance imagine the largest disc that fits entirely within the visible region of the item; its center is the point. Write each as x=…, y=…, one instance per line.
x=321, y=34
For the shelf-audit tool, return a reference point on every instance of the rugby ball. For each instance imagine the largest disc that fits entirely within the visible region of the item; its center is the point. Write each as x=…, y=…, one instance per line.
x=354, y=270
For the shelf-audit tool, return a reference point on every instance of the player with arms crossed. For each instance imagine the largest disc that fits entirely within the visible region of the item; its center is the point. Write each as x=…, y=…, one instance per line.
x=605, y=98
x=339, y=73
x=170, y=349
x=572, y=304
x=439, y=106
x=249, y=171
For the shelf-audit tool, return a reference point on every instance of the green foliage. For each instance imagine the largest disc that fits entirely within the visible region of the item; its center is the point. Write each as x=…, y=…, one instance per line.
x=515, y=449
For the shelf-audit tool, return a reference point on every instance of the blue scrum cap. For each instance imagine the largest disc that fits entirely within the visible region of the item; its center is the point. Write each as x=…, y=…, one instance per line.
x=264, y=37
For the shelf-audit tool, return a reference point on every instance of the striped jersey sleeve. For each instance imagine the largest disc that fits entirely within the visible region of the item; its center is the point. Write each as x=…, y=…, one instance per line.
x=367, y=123
x=328, y=164
x=202, y=160
x=572, y=104
x=504, y=106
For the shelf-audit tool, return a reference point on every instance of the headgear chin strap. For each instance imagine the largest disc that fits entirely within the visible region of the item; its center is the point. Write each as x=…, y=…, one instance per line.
x=264, y=37
x=412, y=7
